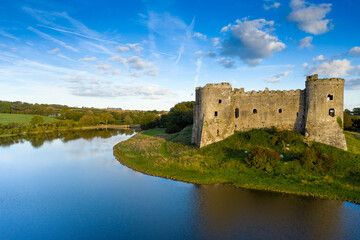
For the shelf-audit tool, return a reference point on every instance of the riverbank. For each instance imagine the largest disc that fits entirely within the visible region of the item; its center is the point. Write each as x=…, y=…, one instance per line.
x=76, y=128
x=317, y=170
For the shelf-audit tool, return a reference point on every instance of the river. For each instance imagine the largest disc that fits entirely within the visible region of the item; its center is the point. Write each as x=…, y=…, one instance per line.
x=70, y=186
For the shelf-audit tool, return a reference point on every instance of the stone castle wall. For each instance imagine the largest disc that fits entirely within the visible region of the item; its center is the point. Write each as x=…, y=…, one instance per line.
x=219, y=111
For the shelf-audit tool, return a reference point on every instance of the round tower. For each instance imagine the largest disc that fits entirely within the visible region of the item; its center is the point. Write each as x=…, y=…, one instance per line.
x=324, y=110
x=213, y=114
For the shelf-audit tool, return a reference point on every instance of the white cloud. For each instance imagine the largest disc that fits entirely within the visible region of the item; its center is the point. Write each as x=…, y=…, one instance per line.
x=226, y=28
x=118, y=59
x=305, y=64
x=88, y=59
x=139, y=63
x=53, y=51
x=318, y=58
x=48, y=37
x=215, y=41
x=200, y=35
x=226, y=62
x=135, y=46
x=274, y=5
x=116, y=71
x=65, y=57
x=136, y=74
x=352, y=84
x=277, y=77
x=354, y=51
x=206, y=54
x=310, y=17
x=251, y=41
x=8, y=35
x=306, y=42
x=152, y=72
x=122, y=48
x=198, y=68
x=104, y=67
x=335, y=68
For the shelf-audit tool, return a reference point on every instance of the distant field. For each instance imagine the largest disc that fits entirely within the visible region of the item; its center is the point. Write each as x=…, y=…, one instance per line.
x=9, y=118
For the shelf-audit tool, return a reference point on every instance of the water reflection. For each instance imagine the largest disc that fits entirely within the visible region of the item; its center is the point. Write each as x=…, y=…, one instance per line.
x=37, y=140
x=68, y=185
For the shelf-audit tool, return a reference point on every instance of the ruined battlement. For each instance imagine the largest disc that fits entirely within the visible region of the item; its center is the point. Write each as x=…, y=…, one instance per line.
x=219, y=111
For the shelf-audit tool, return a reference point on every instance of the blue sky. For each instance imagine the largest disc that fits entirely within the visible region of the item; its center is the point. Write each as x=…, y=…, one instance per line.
x=152, y=54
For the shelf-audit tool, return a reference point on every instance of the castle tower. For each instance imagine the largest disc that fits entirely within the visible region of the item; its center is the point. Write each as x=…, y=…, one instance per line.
x=324, y=111
x=213, y=115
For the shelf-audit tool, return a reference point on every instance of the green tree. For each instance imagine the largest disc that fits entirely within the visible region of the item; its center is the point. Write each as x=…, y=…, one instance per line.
x=5, y=107
x=36, y=121
x=106, y=118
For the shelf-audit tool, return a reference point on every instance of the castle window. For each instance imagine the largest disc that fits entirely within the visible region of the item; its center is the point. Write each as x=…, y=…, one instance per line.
x=254, y=111
x=236, y=112
x=332, y=112
x=220, y=101
x=297, y=114
x=280, y=110
x=330, y=97
x=218, y=132
x=216, y=113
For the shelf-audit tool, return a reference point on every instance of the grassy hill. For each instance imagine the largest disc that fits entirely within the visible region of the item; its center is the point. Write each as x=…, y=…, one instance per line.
x=25, y=118
x=267, y=160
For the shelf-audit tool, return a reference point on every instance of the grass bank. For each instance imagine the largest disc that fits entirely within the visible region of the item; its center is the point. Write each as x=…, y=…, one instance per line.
x=6, y=118
x=266, y=160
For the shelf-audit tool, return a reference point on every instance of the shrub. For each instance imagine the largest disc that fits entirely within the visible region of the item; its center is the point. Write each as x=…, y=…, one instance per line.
x=263, y=159
x=173, y=129
x=316, y=160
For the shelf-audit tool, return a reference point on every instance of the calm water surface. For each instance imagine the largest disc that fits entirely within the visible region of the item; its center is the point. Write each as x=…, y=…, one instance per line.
x=70, y=186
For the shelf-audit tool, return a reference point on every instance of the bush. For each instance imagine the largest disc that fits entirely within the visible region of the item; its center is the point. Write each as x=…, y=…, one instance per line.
x=263, y=159
x=316, y=160
x=173, y=129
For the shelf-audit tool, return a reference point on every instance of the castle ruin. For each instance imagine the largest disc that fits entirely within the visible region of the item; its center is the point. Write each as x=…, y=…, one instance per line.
x=316, y=111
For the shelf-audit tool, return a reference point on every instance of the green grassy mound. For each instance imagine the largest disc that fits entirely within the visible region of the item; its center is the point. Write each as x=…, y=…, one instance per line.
x=6, y=118
x=258, y=159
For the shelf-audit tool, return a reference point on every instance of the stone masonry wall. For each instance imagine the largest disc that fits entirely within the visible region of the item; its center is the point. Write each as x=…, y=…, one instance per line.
x=219, y=111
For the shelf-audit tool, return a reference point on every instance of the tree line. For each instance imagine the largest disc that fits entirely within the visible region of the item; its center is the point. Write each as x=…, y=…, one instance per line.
x=179, y=116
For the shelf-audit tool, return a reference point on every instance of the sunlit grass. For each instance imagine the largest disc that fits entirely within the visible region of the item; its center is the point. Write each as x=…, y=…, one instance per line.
x=173, y=156
x=6, y=118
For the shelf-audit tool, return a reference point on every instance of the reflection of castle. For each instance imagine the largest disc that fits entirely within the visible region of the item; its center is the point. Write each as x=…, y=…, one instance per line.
x=316, y=111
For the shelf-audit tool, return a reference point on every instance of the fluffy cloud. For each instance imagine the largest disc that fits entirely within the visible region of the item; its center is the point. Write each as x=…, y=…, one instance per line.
x=152, y=72
x=215, y=41
x=277, y=77
x=206, y=54
x=354, y=51
x=352, y=84
x=135, y=46
x=274, y=5
x=122, y=48
x=251, y=41
x=318, y=58
x=200, y=35
x=139, y=63
x=118, y=59
x=310, y=17
x=116, y=71
x=104, y=67
x=88, y=59
x=306, y=42
x=227, y=63
x=335, y=68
